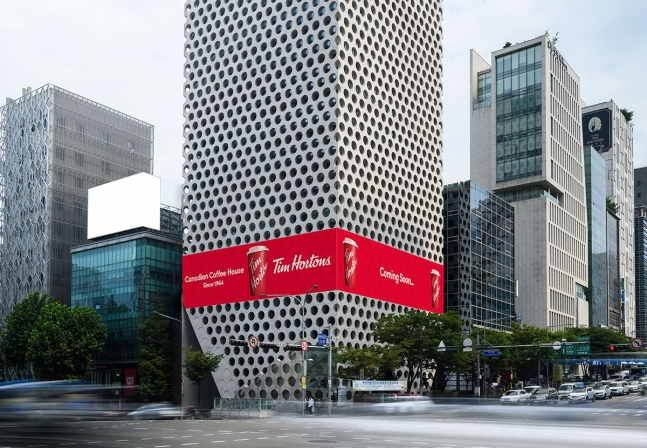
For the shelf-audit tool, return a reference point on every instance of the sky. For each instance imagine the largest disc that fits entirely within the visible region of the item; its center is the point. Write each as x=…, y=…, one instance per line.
x=128, y=55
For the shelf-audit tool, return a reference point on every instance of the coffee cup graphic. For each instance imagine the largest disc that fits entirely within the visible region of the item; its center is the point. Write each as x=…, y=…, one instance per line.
x=257, y=267
x=435, y=287
x=350, y=262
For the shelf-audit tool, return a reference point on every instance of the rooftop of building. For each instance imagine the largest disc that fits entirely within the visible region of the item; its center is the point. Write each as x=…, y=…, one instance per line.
x=28, y=91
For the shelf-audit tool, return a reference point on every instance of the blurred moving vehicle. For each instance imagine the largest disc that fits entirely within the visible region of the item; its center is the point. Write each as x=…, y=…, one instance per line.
x=55, y=400
x=619, y=388
x=157, y=411
x=602, y=391
x=581, y=395
x=543, y=396
x=532, y=389
x=405, y=405
x=515, y=396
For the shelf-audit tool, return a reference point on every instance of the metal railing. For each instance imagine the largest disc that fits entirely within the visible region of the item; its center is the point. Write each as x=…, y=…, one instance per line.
x=261, y=404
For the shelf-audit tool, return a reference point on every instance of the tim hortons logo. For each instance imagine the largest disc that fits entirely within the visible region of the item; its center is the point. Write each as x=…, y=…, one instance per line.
x=299, y=264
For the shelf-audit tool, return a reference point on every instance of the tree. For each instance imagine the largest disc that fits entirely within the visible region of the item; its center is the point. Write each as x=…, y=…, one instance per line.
x=156, y=360
x=64, y=342
x=507, y=44
x=612, y=206
x=376, y=361
x=628, y=114
x=520, y=357
x=417, y=335
x=14, y=343
x=197, y=365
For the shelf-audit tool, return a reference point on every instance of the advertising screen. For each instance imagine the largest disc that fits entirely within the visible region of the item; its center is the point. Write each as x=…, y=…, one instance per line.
x=331, y=259
x=596, y=128
x=124, y=204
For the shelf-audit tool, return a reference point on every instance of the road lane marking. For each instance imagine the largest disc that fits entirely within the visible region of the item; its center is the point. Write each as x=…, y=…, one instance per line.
x=192, y=443
x=162, y=446
x=240, y=440
x=261, y=438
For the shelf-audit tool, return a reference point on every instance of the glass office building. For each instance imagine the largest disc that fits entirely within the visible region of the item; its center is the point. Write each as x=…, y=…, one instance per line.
x=479, y=256
x=120, y=276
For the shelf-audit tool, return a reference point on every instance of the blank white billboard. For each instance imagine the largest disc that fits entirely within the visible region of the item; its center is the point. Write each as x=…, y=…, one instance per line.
x=124, y=204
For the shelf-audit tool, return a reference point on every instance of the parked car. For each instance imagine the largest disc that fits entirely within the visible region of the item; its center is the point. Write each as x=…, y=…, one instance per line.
x=156, y=411
x=516, y=396
x=543, y=396
x=619, y=388
x=602, y=391
x=565, y=389
x=581, y=395
x=633, y=386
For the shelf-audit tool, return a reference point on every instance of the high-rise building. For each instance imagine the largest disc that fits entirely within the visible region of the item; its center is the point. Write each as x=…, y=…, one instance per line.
x=603, y=292
x=313, y=156
x=54, y=145
x=479, y=256
x=526, y=146
x=640, y=186
x=640, y=234
x=606, y=128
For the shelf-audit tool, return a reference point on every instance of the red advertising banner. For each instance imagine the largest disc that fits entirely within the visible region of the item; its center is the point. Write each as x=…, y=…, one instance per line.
x=331, y=259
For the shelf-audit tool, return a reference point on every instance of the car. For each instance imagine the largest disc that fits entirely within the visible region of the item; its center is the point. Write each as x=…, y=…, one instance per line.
x=581, y=395
x=532, y=389
x=156, y=411
x=619, y=388
x=515, y=396
x=633, y=386
x=543, y=396
x=602, y=391
x=565, y=389
x=404, y=404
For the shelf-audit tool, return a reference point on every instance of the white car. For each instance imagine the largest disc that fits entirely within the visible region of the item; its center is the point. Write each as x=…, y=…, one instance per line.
x=619, y=388
x=602, y=391
x=565, y=389
x=532, y=389
x=516, y=396
x=581, y=395
x=633, y=386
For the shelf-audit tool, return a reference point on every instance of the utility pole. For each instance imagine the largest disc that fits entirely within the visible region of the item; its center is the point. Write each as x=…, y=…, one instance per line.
x=477, y=389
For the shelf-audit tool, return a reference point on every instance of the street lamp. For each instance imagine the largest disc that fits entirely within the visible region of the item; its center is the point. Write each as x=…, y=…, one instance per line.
x=302, y=302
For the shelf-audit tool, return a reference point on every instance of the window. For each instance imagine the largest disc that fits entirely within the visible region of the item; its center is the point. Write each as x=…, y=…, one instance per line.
x=78, y=159
x=130, y=145
x=78, y=182
x=60, y=120
x=105, y=168
x=59, y=153
x=77, y=232
x=80, y=128
x=58, y=203
x=78, y=208
x=107, y=137
x=484, y=90
x=60, y=177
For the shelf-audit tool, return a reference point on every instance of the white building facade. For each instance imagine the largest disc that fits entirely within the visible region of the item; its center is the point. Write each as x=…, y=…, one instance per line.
x=616, y=145
x=303, y=118
x=526, y=146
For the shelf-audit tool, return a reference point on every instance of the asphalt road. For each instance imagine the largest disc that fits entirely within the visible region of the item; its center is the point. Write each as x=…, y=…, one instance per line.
x=600, y=424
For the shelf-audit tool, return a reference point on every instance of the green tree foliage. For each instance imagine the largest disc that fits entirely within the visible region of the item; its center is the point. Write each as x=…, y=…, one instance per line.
x=628, y=114
x=14, y=343
x=64, y=342
x=612, y=206
x=600, y=338
x=507, y=44
x=416, y=335
x=377, y=361
x=197, y=365
x=156, y=360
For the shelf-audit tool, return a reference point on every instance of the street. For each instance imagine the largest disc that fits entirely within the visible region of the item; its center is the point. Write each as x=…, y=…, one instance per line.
x=599, y=424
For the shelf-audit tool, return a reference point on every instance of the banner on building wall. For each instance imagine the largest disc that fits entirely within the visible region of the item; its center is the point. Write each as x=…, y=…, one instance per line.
x=597, y=129
x=331, y=259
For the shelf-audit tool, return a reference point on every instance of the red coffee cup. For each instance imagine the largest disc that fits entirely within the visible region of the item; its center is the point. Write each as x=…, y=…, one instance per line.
x=257, y=264
x=435, y=287
x=350, y=262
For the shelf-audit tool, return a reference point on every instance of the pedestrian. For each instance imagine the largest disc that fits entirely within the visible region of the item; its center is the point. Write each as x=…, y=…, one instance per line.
x=311, y=404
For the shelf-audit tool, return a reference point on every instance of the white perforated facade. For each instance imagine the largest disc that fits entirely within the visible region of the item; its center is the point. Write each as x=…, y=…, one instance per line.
x=303, y=116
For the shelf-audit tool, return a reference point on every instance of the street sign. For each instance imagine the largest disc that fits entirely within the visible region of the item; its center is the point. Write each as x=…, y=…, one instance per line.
x=304, y=346
x=575, y=349
x=467, y=345
x=557, y=345
x=637, y=343
x=322, y=339
x=252, y=341
x=584, y=338
x=441, y=346
x=491, y=353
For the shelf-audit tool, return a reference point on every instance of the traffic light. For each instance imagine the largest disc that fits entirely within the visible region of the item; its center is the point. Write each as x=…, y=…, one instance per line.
x=613, y=348
x=267, y=345
x=292, y=348
x=237, y=342
x=324, y=382
x=617, y=347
